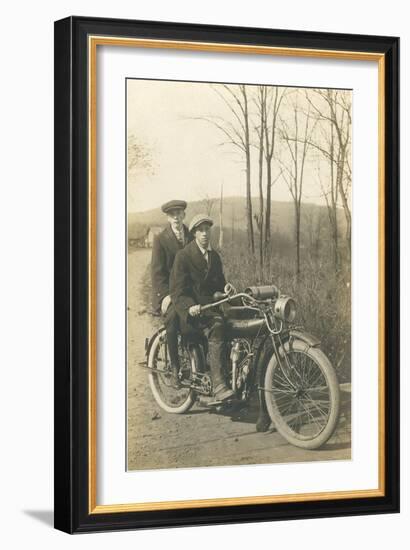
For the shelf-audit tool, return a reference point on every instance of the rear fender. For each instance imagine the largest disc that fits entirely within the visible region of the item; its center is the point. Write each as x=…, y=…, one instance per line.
x=200, y=352
x=150, y=341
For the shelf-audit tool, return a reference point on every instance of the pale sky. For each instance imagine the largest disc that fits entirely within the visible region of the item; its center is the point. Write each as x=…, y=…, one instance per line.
x=189, y=160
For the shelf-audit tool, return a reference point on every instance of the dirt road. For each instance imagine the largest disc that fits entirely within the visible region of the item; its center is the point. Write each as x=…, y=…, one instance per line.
x=199, y=438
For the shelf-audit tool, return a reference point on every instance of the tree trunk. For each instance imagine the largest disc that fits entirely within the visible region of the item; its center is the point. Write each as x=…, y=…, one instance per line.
x=349, y=237
x=346, y=209
x=233, y=225
x=221, y=226
x=261, y=205
x=333, y=191
x=335, y=235
x=297, y=234
x=251, y=241
x=268, y=204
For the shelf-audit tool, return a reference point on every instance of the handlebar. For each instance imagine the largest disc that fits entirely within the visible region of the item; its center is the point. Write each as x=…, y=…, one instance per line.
x=250, y=303
x=255, y=306
x=243, y=295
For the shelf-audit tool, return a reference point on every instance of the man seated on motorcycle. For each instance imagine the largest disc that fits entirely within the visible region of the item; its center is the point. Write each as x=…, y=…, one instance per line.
x=172, y=239
x=196, y=275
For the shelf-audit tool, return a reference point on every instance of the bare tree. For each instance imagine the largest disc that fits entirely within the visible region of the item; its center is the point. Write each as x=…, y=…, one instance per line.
x=312, y=222
x=337, y=150
x=260, y=129
x=232, y=225
x=268, y=101
x=296, y=140
x=221, y=223
x=237, y=133
x=271, y=105
x=207, y=202
x=139, y=156
x=139, y=161
x=330, y=193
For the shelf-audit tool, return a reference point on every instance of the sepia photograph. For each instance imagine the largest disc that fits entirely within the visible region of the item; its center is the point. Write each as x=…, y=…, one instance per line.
x=227, y=290
x=238, y=241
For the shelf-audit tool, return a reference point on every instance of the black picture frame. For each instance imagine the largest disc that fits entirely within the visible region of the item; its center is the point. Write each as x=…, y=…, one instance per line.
x=72, y=461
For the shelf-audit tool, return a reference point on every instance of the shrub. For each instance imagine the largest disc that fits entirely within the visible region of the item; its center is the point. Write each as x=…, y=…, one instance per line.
x=322, y=295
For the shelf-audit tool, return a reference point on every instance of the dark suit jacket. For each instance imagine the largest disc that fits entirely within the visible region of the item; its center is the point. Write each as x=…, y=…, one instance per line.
x=164, y=249
x=193, y=280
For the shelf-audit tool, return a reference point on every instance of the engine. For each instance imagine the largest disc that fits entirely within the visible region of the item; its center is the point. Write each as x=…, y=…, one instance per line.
x=241, y=362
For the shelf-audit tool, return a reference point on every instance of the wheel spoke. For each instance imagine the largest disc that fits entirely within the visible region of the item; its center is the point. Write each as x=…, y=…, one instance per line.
x=278, y=390
x=318, y=389
x=323, y=413
x=312, y=417
x=316, y=379
x=303, y=372
x=286, y=371
x=301, y=394
x=285, y=406
x=299, y=414
x=298, y=419
x=283, y=380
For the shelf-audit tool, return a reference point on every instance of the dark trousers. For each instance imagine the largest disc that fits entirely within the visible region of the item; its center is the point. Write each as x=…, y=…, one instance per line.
x=211, y=325
x=171, y=322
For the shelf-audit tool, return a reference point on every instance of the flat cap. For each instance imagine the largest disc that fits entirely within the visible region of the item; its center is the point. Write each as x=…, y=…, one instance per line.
x=173, y=204
x=198, y=219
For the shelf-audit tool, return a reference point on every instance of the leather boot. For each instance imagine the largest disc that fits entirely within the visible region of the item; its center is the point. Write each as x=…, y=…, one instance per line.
x=216, y=352
x=264, y=420
x=174, y=376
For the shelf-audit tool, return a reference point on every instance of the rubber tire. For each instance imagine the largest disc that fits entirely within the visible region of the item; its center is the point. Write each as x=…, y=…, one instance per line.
x=328, y=371
x=152, y=378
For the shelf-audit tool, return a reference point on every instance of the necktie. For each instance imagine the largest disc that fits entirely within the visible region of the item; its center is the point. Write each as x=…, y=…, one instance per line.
x=179, y=237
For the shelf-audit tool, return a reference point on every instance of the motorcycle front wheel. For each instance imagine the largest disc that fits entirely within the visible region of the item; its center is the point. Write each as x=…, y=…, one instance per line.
x=302, y=395
x=169, y=398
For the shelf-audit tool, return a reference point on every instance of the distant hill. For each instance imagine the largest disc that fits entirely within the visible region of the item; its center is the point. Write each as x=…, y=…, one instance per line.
x=234, y=215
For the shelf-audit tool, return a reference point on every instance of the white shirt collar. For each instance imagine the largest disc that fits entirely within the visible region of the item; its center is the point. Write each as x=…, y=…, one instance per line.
x=202, y=249
x=176, y=232
x=180, y=236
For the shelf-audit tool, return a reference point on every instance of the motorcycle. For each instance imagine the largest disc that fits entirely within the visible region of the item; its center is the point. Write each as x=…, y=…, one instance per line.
x=266, y=353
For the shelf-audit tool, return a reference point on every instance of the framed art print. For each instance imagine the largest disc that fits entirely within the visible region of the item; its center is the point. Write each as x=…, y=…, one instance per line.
x=226, y=274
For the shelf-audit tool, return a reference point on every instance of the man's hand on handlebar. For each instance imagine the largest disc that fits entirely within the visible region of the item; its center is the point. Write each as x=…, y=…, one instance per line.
x=194, y=311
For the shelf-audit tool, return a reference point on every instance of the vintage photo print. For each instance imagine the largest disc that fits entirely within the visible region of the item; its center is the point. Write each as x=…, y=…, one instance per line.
x=238, y=274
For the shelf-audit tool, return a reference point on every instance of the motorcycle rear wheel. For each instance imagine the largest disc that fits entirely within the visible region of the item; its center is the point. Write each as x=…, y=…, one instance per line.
x=169, y=398
x=302, y=395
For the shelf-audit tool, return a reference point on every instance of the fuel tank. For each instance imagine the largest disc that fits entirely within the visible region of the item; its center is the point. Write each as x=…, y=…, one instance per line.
x=244, y=327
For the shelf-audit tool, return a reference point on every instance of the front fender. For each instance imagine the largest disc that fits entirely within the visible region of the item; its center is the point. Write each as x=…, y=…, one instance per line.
x=266, y=349
x=309, y=339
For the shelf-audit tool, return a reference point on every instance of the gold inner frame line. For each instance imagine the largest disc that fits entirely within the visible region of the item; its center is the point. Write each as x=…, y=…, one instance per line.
x=93, y=42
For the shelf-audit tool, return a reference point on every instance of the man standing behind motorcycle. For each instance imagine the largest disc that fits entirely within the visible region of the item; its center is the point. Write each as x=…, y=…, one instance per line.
x=196, y=275
x=166, y=245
